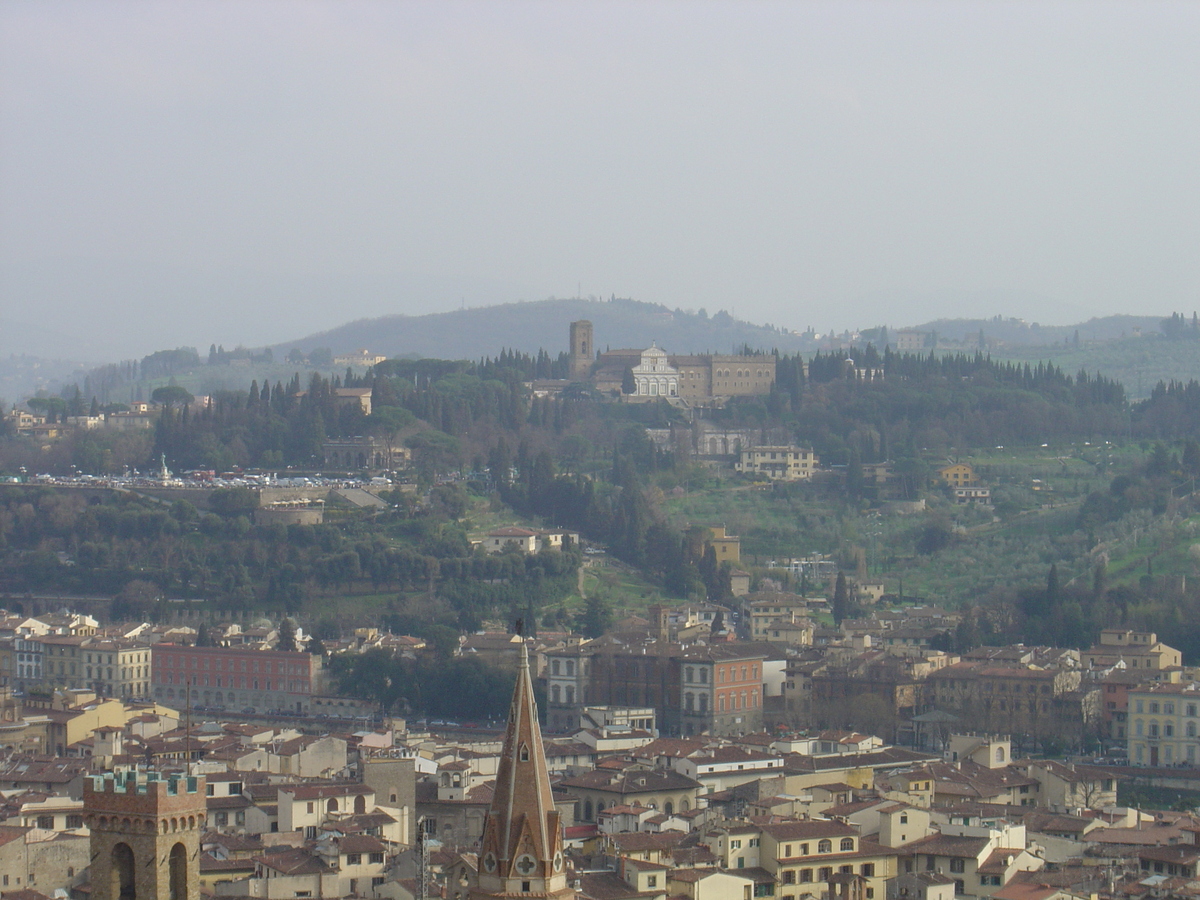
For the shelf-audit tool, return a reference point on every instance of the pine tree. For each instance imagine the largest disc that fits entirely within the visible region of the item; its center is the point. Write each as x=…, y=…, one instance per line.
x=287, y=636
x=841, y=598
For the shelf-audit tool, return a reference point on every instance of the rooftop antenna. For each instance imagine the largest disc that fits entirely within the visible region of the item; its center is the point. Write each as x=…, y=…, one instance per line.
x=187, y=736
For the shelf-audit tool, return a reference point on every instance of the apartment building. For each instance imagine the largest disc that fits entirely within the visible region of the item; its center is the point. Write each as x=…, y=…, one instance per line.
x=1164, y=724
x=778, y=463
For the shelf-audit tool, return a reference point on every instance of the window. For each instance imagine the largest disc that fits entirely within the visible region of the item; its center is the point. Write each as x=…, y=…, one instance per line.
x=806, y=876
x=45, y=822
x=651, y=881
x=735, y=845
x=868, y=870
x=789, y=875
x=958, y=865
x=825, y=846
x=354, y=859
x=74, y=821
x=847, y=844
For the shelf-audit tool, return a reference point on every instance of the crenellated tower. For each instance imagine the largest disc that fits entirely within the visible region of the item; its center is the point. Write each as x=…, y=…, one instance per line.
x=145, y=835
x=521, y=853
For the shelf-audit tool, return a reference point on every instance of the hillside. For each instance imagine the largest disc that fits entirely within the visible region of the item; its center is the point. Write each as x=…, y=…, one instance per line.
x=1018, y=332
x=473, y=333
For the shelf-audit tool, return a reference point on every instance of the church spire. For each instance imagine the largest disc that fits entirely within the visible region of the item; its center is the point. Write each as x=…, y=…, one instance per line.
x=521, y=850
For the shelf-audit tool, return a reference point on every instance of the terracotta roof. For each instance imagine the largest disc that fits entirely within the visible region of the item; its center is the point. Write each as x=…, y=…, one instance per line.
x=795, y=831
x=641, y=781
x=293, y=862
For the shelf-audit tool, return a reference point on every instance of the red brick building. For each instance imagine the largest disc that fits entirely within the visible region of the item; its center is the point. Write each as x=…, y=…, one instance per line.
x=234, y=678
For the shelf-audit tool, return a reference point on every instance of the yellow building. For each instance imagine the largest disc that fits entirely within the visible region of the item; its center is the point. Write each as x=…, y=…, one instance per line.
x=958, y=475
x=726, y=546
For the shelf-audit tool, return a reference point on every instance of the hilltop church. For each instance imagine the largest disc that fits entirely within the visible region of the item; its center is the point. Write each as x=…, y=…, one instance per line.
x=688, y=379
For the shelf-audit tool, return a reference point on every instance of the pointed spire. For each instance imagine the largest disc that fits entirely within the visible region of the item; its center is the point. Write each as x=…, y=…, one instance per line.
x=521, y=849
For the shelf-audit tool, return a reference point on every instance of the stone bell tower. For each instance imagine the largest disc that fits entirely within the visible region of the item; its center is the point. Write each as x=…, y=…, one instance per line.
x=145, y=834
x=521, y=852
x=583, y=351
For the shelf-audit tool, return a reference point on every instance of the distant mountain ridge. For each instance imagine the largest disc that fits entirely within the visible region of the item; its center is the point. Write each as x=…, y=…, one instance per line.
x=543, y=324
x=1018, y=332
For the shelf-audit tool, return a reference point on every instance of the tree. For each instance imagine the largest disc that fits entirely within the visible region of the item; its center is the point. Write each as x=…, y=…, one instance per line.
x=287, y=636
x=628, y=385
x=718, y=623
x=597, y=616
x=171, y=395
x=841, y=598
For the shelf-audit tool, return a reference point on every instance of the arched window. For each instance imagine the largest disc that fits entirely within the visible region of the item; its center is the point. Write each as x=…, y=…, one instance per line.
x=587, y=810
x=570, y=667
x=825, y=846
x=704, y=703
x=555, y=693
x=669, y=808
x=847, y=844
x=687, y=674
x=360, y=805
x=999, y=754
x=332, y=805
x=554, y=667
x=570, y=694
x=688, y=699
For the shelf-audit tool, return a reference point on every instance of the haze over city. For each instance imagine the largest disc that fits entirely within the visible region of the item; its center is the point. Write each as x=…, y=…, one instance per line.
x=251, y=173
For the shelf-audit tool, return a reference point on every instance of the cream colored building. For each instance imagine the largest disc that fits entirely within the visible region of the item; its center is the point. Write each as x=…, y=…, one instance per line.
x=117, y=668
x=1164, y=724
x=778, y=463
x=1133, y=649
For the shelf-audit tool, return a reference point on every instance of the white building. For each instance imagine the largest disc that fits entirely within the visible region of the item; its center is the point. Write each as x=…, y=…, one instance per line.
x=654, y=376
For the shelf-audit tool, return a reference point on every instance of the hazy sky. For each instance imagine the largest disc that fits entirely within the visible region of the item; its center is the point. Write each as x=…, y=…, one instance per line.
x=188, y=172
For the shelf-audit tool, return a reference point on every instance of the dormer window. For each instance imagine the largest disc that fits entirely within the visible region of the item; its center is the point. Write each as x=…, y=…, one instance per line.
x=523, y=753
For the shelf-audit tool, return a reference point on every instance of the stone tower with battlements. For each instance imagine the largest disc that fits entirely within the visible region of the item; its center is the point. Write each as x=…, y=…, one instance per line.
x=583, y=351
x=145, y=835
x=521, y=853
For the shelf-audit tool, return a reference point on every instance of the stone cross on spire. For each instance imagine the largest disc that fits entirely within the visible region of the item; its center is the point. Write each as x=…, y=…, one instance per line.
x=521, y=853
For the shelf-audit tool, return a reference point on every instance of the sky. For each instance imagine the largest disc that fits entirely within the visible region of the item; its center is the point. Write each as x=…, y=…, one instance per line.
x=241, y=172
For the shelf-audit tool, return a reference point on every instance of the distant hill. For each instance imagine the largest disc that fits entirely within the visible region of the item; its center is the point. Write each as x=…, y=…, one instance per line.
x=543, y=324
x=1019, y=333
